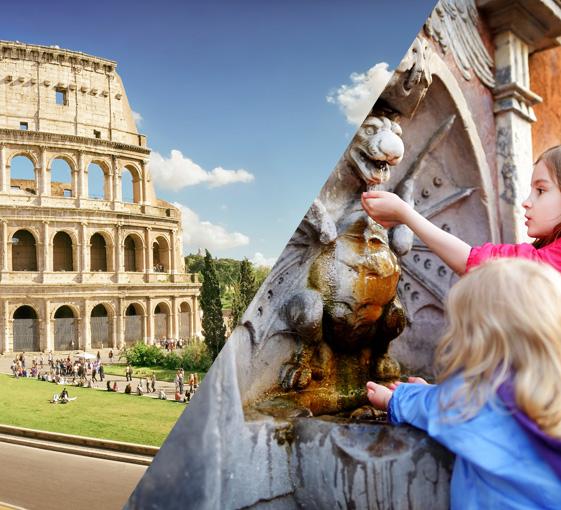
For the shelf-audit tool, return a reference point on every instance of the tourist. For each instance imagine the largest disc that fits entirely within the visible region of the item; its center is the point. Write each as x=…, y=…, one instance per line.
x=543, y=215
x=109, y=386
x=153, y=381
x=94, y=373
x=180, y=379
x=111, y=356
x=98, y=356
x=497, y=405
x=101, y=372
x=128, y=389
x=115, y=388
x=162, y=395
x=128, y=372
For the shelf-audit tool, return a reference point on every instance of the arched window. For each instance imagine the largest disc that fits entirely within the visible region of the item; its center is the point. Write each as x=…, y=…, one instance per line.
x=65, y=329
x=22, y=175
x=98, y=253
x=62, y=252
x=134, y=330
x=133, y=255
x=99, y=327
x=161, y=255
x=25, y=329
x=161, y=313
x=130, y=185
x=184, y=321
x=61, y=179
x=24, y=253
x=97, y=182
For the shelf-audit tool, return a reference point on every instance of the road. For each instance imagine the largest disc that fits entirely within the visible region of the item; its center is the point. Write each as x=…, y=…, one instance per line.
x=41, y=479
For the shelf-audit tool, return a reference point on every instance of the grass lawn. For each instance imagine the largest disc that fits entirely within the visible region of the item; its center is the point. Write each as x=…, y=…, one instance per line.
x=162, y=374
x=95, y=413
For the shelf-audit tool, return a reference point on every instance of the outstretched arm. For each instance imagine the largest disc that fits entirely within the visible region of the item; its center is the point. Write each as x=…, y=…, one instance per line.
x=389, y=210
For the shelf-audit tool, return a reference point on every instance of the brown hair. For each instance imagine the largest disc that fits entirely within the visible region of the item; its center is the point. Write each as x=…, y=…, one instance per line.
x=552, y=160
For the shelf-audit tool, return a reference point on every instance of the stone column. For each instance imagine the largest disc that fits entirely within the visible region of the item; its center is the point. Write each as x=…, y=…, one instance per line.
x=5, y=248
x=108, y=186
x=82, y=176
x=7, y=342
x=173, y=252
x=174, y=318
x=115, y=329
x=47, y=253
x=514, y=118
x=4, y=177
x=119, y=253
x=145, y=328
x=143, y=184
x=117, y=190
x=150, y=321
x=120, y=330
x=149, y=255
x=84, y=250
x=43, y=175
x=86, y=332
x=48, y=332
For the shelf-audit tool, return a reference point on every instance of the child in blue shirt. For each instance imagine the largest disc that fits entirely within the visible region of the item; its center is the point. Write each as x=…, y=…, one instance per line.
x=498, y=402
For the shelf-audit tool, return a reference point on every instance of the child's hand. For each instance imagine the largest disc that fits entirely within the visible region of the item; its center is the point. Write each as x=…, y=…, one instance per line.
x=412, y=380
x=384, y=207
x=378, y=395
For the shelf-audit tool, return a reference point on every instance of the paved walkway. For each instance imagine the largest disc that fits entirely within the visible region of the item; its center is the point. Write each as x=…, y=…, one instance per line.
x=168, y=387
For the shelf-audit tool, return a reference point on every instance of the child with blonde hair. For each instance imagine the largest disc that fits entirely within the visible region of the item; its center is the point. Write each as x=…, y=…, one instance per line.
x=542, y=213
x=497, y=405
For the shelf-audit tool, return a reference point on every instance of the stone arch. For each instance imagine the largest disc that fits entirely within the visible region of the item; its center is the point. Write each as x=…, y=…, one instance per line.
x=25, y=329
x=66, y=328
x=162, y=320
x=133, y=253
x=63, y=251
x=185, y=326
x=100, y=253
x=99, y=182
x=23, y=251
x=134, y=323
x=131, y=184
x=161, y=255
x=101, y=325
x=62, y=168
x=24, y=177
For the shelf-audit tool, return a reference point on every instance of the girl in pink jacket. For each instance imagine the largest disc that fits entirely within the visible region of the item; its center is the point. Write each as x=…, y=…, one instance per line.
x=543, y=221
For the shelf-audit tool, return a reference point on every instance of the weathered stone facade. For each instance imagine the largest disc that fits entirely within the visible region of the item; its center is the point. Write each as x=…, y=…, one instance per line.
x=77, y=271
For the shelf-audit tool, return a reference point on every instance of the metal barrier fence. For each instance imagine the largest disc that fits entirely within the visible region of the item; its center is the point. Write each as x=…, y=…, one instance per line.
x=99, y=327
x=65, y=334
x=26, y=335
x=160, y=325
x=184, y=325
x=133, y=329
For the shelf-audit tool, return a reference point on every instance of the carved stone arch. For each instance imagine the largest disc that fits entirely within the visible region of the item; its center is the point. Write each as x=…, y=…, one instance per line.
x=105, y=165
x=70, y=160
x=136, y=175
x=133, y=251
x=32, y=156
x=134, y=318
x=57, y=306
x=23, y=254
x=64, y=259
x=452, y=187
x=109, y=306
x=161, y=253
x=162, y=319
x=25, y=321
x=185, y=323
x=65, y=156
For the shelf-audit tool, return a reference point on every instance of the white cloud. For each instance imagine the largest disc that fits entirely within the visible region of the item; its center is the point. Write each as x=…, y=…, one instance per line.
x=178, y=171
x=206, y=235
x=260, y=260
x=137, y=118
x=356, y=100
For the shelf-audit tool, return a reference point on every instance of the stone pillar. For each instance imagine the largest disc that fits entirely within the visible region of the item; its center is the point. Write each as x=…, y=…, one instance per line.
x=119, y=253
x=120, y=330
x=84, y=249
x=149, y=255
x=514, y=118
x=173, y=252
x=150, y=322
x=4, y=177
x=43, y=175
x=48, y=330
x=145, y=328
x=82, y=177
x=47, y=253
x=7, y=341
x=117, y=190
x=108, y=186
x=143, y=183
x=175, y=318
x=85, y=330
x=4, y=268
x=116, y=327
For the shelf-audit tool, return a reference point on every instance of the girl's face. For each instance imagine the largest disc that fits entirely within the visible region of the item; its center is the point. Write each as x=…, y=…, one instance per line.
x=543, y=206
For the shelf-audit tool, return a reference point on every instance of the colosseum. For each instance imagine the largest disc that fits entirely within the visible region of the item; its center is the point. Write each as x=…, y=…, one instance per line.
x=81, y=269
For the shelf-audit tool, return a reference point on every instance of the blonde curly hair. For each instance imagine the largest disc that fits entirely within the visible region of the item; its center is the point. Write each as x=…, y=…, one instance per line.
x=505, y=320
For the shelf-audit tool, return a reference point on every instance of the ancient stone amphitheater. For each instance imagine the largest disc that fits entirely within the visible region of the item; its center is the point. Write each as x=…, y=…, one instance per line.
x=79, y=271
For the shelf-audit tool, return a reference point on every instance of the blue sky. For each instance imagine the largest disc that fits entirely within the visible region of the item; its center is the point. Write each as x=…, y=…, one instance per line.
x=240, y=86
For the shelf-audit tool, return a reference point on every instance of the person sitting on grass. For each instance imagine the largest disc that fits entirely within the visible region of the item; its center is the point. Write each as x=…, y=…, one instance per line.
x=140, y=388
x=109, y=386
x=115, y=388
x=128, y=389
x=497, y=405
x=162, y=395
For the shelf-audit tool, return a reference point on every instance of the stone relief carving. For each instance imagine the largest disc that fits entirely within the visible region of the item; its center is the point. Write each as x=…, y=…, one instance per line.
x=453, y=25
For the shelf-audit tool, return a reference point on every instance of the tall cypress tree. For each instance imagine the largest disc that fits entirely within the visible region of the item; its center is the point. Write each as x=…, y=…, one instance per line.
x=244, y=290
x=214, y=329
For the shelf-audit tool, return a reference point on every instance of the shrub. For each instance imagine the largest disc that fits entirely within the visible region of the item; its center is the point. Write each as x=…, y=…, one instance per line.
x=196, y=357
x=143, y=355
x=171, y=361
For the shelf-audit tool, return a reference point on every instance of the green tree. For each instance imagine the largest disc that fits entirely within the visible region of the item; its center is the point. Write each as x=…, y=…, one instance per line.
x=214, y=329
x=244, y=290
